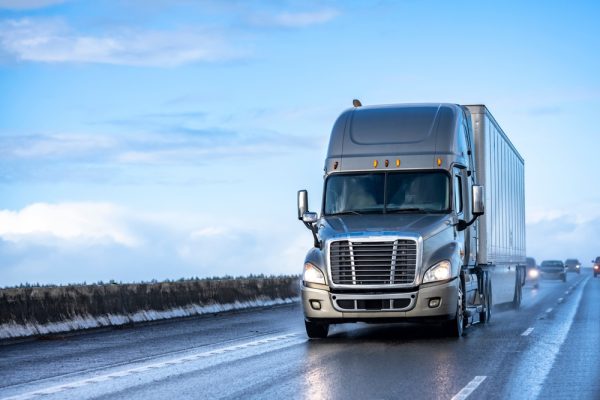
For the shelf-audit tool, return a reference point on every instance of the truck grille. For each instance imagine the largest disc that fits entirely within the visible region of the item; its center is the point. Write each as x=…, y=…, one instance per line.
x=373, y=263
x=374, y=305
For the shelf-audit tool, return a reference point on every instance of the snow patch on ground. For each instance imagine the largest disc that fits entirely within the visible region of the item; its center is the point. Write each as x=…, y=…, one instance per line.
x=13, y=330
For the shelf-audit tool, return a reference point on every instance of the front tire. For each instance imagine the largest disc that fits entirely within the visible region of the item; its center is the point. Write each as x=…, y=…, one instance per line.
x=564, y=277
x=316, y=330
x=455, y=327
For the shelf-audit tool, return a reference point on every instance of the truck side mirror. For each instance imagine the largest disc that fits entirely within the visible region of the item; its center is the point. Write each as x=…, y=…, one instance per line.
x=478, y=200
x=307, y=217
x=302, y=203
x=477, y=208
x=310, y=217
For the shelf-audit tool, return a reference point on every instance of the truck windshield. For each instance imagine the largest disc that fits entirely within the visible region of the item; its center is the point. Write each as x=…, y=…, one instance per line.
x=387, y=192
x=552, y=264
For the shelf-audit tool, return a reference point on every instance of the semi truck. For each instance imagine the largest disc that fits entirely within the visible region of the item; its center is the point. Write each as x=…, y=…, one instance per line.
x=422, y=220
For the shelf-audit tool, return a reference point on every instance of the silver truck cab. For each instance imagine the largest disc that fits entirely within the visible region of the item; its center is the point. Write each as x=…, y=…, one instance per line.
x=396, y=239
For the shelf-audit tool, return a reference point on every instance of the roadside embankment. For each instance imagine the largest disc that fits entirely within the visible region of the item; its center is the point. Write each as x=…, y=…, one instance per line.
x=34, y=311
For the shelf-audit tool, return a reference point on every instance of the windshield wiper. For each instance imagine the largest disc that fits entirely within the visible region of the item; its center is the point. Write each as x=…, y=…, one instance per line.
x=408, y=210
x=344, y=213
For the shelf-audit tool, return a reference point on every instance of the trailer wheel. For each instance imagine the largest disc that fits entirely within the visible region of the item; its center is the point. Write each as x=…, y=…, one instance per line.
x=486, y=315
x=518, y=291
x=455, y=327
x=316, y=330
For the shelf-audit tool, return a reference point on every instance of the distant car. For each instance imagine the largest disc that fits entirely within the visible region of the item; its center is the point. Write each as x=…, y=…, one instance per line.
x=553, y=269
x=532, y=273
x=596, y=266
x=573, y=265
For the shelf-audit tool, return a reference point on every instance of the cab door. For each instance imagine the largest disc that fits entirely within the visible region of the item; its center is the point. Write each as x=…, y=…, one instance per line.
x=461, y=211
x=471, y=232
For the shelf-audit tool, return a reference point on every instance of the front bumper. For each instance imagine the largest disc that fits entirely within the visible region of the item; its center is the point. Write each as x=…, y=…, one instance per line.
x=417, y=309
x=552, y=274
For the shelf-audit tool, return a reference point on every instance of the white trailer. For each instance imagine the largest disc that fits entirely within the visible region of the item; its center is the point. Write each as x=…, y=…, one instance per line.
x=501, y=170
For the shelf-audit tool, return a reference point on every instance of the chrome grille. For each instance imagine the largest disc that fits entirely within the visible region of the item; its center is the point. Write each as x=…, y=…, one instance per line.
x=373, y=263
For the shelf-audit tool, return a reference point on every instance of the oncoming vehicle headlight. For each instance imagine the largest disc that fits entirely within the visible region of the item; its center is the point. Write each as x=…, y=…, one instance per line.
x=534, y=273
x=439, y=272
x=313, y=274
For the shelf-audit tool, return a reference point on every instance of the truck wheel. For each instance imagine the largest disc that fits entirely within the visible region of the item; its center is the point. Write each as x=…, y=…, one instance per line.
x=316, y=330
x=486, y=315
x=518, y=292
x=454, y=328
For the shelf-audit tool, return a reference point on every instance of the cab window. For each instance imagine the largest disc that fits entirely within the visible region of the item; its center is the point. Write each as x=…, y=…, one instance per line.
x=458, y=203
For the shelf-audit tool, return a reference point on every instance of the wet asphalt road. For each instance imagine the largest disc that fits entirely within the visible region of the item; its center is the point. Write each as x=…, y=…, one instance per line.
x=549, y=349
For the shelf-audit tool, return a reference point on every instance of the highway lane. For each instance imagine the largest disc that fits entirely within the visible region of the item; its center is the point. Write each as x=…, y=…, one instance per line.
x=548, y=349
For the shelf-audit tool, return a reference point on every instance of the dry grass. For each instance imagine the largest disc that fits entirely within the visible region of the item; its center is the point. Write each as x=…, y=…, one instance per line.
x=40, y=305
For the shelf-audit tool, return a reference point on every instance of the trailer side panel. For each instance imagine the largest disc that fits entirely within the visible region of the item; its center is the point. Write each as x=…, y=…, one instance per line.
x=500, y=168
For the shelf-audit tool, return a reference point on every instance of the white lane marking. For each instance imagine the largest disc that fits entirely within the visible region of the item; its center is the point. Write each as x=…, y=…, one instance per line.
x=144, y=368
x=548, y=311
x=120, y=373
x=527, y=332
x=542, y=353
x=567, y=292
x=51, y=390
x=467, y=390
x=560, y=299
x=98, y=379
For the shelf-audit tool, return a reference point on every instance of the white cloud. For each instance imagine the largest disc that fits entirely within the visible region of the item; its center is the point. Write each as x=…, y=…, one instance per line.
x=84, y=241
x=28, y=4
x=209, y=232
x=35, y=156
x=219, y=248
x=295, y=19
x=54, y=145
x=53, y=41
x=564, y=233
x=88, y=223
x=579, y=213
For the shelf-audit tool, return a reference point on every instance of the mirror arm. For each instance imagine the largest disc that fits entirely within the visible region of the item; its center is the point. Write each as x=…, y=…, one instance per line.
x=313, y=229
x=461, y=225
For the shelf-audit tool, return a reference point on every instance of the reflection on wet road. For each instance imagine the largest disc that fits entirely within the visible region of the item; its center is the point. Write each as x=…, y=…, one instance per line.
x=547, y=350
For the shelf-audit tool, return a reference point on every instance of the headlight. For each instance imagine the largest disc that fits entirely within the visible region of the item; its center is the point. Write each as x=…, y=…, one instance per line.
x=313, y=274
x=534, y=273
x=439, y=272
x=577, y=266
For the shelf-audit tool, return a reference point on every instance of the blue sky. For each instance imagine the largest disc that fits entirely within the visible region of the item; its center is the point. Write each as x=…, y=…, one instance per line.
x=162, y=139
